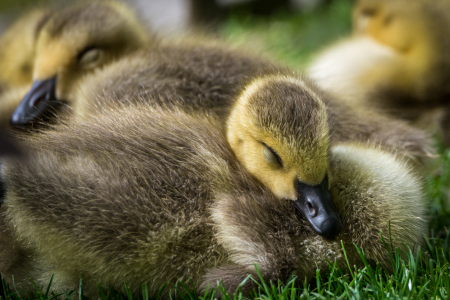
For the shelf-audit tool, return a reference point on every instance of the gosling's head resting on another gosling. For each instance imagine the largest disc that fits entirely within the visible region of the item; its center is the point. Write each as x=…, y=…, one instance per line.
x=291, y=160
x=71, y=43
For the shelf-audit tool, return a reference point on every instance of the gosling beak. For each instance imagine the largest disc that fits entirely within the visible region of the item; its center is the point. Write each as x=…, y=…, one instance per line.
x=315, y=204
x=38, y=101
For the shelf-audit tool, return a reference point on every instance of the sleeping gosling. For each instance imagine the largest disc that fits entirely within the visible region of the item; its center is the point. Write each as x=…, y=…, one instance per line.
x=73, y=42
x=143, y=194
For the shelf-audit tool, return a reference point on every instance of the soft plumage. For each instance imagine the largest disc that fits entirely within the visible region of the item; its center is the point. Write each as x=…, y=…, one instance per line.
x=146, y=195
x=196, y=75
x=289, y=159
x=190, y=73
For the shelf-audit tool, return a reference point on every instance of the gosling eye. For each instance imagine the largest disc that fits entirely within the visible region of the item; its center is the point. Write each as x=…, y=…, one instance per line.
x=272, y=156
x=90, y=57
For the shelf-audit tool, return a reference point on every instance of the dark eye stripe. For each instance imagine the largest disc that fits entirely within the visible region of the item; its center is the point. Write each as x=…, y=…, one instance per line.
x=275, y=154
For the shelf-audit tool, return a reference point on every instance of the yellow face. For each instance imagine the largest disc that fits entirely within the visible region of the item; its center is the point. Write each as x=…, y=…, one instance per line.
x=278, y=129
x=61, y=58
x=272, y=164
x=277, y=161
x=70, y=44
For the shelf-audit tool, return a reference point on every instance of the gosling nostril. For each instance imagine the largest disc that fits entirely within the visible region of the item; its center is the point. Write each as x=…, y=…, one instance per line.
x=314, y=203
x=312, y=210
x=37, y=100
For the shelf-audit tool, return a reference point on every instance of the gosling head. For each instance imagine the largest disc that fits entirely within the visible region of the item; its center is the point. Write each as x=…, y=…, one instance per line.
x=278, y=130
x=72, y=43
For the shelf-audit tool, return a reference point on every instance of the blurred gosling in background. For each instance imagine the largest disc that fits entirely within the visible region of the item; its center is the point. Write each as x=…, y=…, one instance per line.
x=397, y=62
x=71, y=43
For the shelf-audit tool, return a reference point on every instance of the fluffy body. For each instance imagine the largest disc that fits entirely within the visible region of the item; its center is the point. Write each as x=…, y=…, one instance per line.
x=191, y=73
x=146, y=195
x=196, y=75
x=333, y=72
x=284, y=112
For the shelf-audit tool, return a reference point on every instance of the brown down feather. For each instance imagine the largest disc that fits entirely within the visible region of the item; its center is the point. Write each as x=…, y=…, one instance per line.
x=149, y=195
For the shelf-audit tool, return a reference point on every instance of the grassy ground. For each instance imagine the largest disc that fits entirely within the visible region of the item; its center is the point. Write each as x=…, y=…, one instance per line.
x=422, y=274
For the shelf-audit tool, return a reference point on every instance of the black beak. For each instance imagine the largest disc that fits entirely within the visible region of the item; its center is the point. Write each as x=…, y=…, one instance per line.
x=315, y=204
x=36, y=103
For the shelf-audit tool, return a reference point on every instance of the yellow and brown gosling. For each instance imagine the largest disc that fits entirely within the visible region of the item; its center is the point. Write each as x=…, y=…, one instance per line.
x=397, y=62
x=295, y=156
x=74, y=41
x=143, y=194
x=294, y=163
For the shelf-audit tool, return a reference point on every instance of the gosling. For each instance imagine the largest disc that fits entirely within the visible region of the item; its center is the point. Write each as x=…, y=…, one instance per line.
x=71, y=43
x=146, y=194
x=396, y=62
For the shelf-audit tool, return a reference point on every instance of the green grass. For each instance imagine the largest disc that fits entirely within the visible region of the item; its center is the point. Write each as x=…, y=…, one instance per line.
x=416, y=275
x=438, y=189
x=421, y=274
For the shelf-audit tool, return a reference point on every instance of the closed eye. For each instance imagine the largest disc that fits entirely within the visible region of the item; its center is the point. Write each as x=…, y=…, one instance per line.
x=89, y=56
x=272, y=156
